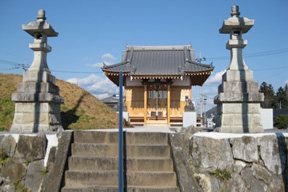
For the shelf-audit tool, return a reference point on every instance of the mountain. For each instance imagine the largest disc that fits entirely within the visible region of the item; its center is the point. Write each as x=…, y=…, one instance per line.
x=81, y=110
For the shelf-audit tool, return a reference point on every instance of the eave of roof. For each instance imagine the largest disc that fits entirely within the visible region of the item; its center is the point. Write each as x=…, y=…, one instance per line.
x=157, y=62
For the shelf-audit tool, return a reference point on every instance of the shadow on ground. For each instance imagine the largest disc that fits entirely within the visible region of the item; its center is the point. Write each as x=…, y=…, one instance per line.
x=69, y=117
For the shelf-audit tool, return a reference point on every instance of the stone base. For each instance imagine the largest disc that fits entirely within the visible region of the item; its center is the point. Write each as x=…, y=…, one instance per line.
x=241, y=129
x=238, y=103
x=44, y=76
x=189, y=119
x=238, y=75
x=37, y=107
x=239, y=118
x=36, y=117
x=35, y=128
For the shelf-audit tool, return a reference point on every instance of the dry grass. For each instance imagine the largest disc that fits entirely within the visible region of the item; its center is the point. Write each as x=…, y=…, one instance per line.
x=80, y=111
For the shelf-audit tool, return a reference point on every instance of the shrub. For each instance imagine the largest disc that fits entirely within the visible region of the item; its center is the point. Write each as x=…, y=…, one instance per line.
x=281, y=121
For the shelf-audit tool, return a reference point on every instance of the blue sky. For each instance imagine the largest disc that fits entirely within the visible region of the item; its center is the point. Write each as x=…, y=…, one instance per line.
x=94, y=31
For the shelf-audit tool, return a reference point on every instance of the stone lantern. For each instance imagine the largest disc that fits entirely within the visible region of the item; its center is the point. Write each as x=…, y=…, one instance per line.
x=37, y=101
x=238, y=100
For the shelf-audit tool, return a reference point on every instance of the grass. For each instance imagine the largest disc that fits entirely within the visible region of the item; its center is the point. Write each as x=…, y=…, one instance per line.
x=221, y=174
x=6, y=114
x=81, y=110
x=17, y=186
x=3, y=158
x=44, y=171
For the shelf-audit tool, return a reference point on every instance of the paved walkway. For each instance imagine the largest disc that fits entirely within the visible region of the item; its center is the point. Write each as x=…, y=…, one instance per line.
x=167, y=129
x=140, y=129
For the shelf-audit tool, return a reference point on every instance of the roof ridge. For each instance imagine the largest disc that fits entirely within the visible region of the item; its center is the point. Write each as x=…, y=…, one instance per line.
x=201, y=64
x=163, y=47
x=114, y=65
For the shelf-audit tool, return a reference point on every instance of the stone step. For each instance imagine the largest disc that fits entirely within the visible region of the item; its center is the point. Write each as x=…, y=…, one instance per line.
x=115, y=189
x=130, y=138
x=111, y=164
x=108, y=150
x=75, y=179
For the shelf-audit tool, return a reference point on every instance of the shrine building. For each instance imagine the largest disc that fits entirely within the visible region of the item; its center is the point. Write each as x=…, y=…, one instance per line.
x=156, y=80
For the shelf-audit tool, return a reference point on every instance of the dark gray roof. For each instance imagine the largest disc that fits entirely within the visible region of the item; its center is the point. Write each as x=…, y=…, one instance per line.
x=158, y=60
x=110, y=99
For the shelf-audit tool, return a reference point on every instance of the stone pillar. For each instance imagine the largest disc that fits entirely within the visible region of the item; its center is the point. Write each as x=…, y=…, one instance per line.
x=37, y=101
x=238, y=100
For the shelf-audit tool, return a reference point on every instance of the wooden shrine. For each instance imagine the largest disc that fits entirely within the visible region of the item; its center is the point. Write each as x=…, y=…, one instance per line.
x=156, y=81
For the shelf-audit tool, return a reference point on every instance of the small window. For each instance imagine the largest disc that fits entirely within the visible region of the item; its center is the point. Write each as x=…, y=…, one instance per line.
x=152, y=94
x=164, y=94
x=160, y=94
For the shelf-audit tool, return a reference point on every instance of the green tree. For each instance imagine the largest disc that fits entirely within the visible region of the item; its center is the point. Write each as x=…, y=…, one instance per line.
x=269, y=98
x=281, y=98
x=286, y=89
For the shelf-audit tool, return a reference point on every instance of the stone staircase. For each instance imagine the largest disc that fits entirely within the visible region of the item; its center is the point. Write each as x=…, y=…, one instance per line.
x=93, y=165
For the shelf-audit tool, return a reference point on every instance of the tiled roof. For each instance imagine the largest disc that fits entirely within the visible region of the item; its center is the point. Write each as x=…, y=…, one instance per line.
x=158, y=60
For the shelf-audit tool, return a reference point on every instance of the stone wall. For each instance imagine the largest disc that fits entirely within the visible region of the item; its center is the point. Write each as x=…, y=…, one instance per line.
x=239, y=162
x=204, y=162
x=28, y=161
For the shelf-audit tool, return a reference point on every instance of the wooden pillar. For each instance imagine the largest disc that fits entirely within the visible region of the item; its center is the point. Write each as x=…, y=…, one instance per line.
x=145, y=103
x=168, y=104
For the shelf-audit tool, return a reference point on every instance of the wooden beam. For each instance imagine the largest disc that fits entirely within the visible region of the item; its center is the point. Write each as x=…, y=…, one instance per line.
x=168, y=104
x=145, y=103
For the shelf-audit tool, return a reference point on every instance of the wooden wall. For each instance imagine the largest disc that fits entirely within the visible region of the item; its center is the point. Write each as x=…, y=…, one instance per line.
x=135, y=100
x=178, y=99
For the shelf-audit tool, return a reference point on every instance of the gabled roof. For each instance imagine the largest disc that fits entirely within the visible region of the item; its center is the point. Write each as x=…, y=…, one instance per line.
x=158, y=62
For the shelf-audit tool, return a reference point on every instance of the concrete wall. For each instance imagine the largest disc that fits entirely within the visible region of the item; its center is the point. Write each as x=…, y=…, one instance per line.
x=267, y=118
x=189, y=119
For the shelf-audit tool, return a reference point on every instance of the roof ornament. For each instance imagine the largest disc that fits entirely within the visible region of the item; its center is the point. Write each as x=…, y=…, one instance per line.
x=179, y=68
x=133, y=70
x=235, y=11
x=41, y=15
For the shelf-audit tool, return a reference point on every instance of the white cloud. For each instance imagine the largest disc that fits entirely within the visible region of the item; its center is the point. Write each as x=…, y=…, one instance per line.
x=97, y=86
x=211, y=90
x=216, y=79
x=102, y=96
x=107, y=58
x=286, y=82
x=95, y=65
